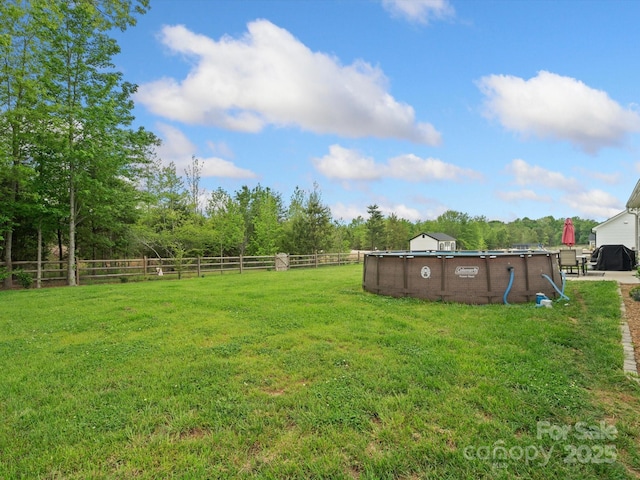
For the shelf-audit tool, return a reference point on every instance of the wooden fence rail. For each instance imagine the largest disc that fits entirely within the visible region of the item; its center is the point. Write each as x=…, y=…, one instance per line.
x=95, y=271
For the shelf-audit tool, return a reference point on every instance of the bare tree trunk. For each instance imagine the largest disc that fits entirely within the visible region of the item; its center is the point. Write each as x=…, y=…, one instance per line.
x=71, y=258
x=14, y=188
x=8, y=238
x=39, y=272
x=8, y=242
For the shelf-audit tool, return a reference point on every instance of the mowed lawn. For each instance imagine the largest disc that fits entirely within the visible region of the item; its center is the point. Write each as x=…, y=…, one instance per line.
x=301, y=374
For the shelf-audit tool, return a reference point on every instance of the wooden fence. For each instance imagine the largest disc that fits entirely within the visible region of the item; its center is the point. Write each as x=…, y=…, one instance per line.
x=97, y=271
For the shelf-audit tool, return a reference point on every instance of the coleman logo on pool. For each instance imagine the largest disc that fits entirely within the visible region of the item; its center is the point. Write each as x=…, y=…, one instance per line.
x=425, y=272
x=467, y=272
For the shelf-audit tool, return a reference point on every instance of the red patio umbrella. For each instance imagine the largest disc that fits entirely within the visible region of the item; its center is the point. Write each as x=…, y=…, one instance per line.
x=568, y=233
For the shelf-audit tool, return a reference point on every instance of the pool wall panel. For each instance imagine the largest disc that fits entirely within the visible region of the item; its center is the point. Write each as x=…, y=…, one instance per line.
x=475, y=278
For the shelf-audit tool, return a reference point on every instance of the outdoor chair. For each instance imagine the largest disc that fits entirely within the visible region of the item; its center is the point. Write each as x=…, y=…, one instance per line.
x=568, y=260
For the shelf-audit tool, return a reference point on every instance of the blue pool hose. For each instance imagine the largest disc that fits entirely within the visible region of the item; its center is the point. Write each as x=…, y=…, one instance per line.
x=562, y=295
x=561, y=292
x=506, y=292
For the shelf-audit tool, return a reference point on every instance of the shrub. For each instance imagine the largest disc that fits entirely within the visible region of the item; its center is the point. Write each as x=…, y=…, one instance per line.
x=24, y=279
x=635, y=293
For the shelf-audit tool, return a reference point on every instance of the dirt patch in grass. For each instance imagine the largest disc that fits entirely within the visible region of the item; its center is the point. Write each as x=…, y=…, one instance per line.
x=632, y=312
x=194, y=433
x=274, y=392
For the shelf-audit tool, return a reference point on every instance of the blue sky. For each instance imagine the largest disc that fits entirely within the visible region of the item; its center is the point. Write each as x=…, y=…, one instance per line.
x=504, y=109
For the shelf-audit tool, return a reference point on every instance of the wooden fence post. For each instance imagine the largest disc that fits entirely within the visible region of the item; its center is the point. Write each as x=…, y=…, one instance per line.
x=39, y=267
x=89, y=269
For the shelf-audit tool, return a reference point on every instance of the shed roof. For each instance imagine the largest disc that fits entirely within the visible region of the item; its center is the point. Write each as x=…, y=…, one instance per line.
x=441, y=237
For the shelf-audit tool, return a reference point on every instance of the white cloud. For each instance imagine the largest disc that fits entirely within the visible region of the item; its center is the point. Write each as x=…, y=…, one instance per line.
x=526, y=174
x=268, y=77
x=346, y=164
x=594, y=203
x=608, y=178
x=560, y=108
x=177, y=148
x=420, y=11
x=523, y=195
x=570, y=192
x=218, y=167
x=430, y=206
x=410, y=167
x=347, y=212
x=401, y=211
x=220, y=148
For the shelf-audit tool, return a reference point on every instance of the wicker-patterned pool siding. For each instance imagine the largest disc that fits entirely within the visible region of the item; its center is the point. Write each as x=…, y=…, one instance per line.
x=463, y=277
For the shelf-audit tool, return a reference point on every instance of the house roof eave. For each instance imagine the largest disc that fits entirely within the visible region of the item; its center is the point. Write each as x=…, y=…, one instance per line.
x=634, y=198
x=610, y=220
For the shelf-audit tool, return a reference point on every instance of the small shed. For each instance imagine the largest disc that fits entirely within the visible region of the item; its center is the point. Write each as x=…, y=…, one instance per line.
x=432, y=241
x=617, y=230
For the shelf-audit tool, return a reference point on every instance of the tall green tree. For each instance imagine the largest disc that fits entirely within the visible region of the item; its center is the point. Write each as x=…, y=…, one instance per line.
x=582, y=228
x=193, y=174
x=460, y=226
x=166, y=211
x=522, y=231
x=169, y=227
x=19, y=90
x=227, y=222
x=104, y=231
x=339, y=237
x=375, y=228
x=397, y=232
x=267, y=226
x=318, y=226
x=263, y=215
x=294, y=217
x=357, y=235
x=171, y=206
x=87, y=109
x=311, y=228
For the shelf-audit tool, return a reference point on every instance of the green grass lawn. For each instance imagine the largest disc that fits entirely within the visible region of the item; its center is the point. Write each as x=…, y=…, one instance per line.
x=301, y=374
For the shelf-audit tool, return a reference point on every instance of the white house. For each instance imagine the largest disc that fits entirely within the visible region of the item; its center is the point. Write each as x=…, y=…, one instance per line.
x=432, y=241
x=617, y=230
x=633, y=207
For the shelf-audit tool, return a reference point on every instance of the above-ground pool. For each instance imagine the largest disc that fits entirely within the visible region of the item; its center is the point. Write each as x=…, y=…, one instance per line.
x=463, y=276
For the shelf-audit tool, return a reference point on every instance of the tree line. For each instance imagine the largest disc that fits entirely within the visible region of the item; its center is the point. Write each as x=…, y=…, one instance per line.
x=77, y=180
x=69, y=155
